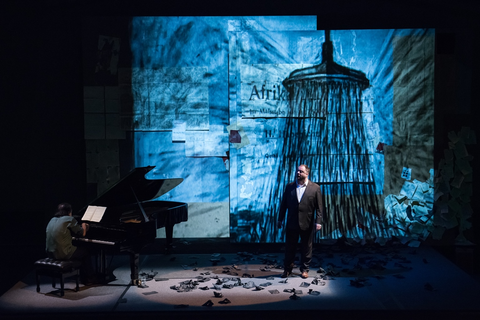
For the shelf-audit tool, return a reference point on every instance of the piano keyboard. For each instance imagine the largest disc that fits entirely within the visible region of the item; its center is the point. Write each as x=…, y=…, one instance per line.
x=105, y=242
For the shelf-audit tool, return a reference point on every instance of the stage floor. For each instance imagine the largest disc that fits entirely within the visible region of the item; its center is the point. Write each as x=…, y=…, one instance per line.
x=344, y=282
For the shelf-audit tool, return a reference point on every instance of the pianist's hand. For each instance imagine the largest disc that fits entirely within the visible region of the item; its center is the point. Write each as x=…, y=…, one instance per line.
x=85, y=227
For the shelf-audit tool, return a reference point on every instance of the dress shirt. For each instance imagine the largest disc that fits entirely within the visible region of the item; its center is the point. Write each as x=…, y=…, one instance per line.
x=301, y=190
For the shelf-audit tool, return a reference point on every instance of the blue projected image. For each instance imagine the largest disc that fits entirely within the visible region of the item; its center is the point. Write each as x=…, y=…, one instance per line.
x=234, y=104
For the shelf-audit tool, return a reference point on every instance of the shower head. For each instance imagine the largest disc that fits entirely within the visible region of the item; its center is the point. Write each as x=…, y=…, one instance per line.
x=327, y=70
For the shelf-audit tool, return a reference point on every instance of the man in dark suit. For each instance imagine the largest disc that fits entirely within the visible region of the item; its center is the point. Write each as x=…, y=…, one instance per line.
x=303, y=200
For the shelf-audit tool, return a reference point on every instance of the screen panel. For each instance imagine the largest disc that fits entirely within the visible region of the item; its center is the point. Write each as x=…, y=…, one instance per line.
x=234, y=104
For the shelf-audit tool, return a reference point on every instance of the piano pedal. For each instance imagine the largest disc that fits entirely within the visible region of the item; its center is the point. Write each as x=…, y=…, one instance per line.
x=141, y=283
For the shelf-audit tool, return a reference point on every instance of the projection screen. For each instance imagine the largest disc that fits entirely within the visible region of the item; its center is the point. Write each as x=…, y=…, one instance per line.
x=234, y=104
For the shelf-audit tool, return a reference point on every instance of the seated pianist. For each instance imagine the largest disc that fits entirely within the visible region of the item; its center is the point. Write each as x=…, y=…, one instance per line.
x=59, y=241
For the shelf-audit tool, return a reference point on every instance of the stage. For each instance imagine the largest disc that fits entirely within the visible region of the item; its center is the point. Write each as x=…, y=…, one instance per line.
x=213, y=278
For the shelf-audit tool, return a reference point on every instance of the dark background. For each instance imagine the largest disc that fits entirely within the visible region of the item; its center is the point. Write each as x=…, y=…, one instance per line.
x=41, y=120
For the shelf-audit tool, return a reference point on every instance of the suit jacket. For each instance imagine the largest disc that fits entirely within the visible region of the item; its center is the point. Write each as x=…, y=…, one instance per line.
x=310, y=204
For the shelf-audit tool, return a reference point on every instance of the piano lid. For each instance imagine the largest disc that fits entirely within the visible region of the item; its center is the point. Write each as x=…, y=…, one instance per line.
x=135, y=184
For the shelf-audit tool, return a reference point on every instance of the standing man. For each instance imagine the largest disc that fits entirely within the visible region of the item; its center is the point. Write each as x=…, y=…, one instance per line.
x=302, y=199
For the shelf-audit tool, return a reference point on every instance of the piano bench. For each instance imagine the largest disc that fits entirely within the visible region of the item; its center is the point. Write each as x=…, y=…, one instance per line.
x=61, y=269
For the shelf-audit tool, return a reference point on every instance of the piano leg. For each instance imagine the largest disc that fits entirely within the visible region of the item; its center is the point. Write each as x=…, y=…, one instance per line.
x=103, y=274
x=169, y=236
x=134, y=263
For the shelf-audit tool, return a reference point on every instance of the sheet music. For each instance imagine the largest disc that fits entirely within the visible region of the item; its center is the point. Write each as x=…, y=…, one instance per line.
x=94, y=213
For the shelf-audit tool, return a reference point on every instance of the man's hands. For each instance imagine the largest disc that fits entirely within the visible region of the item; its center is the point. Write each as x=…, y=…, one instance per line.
x=318, y=227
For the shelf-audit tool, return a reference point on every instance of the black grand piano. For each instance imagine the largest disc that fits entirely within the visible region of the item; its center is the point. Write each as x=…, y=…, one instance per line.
x=130, y=220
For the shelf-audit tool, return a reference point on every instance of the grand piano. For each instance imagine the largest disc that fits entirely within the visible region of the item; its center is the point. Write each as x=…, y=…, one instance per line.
x=131, y=220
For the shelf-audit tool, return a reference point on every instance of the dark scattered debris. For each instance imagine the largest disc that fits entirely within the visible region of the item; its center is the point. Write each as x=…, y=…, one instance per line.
x=209, y=303
x=148, y=275
x=318, y=281
x=294, y=296
x=313, y=292
x=360, y=263
x=224, y=301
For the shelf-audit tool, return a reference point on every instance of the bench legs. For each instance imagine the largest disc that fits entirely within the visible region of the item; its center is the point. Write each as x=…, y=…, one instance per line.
x=61, y=275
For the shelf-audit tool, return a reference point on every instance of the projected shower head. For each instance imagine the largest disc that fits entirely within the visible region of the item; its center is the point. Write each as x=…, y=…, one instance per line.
x=328, y=69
